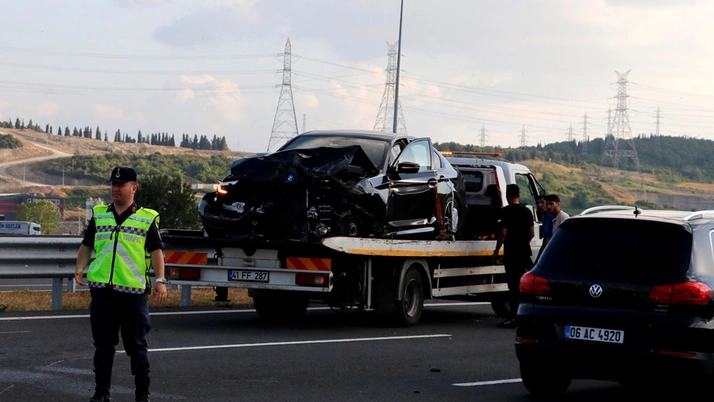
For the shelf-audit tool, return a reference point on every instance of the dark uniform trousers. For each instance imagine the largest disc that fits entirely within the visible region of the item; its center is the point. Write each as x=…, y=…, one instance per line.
x=515, y=266
x=111, y=312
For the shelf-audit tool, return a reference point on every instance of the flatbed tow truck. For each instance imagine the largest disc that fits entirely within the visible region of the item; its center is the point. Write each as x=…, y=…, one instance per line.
x=389, y=276
x=385, y=275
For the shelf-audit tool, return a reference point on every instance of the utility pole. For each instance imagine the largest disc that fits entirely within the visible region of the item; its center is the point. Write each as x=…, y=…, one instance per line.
x=285, y=112
x=399, y=60
x=482, y=137
x=657, y=129
x=585, y=133
x=386, y=107
x=621, y=143
x=523, y=136
x=570, y=135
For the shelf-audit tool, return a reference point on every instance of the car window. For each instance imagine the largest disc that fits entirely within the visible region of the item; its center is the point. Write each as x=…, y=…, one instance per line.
x=418, y=152
x=527, y=196
x=437, y=160
x=634, y=250
x=474, y=181
x=375, y=149
x=394, y=153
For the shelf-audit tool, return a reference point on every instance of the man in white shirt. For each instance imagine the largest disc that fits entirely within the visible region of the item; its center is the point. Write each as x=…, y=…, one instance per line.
x=552, y=202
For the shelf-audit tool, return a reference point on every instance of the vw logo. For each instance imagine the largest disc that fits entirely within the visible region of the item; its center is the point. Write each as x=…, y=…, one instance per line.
x=595, y=291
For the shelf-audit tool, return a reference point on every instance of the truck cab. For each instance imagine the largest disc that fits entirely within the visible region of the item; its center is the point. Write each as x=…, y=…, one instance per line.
x=486, y=178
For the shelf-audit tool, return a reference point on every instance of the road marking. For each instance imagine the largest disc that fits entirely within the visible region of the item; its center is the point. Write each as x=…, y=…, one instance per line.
x=313, y=342
x=170, y=313
x=14, y=332
x=494, y=382
x=3, y=391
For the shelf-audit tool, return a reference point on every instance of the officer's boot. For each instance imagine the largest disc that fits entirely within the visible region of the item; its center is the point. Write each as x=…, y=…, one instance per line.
x=142, y=387
x=101, y=389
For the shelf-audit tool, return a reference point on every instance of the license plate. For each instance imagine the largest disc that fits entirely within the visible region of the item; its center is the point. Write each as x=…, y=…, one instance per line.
x=594, y=334
x=248, y=276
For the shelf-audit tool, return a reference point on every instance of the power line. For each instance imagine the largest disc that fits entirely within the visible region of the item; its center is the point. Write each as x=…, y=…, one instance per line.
x=47, y=52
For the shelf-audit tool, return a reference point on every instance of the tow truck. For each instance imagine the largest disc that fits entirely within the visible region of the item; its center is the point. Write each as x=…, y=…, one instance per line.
x=391, y=277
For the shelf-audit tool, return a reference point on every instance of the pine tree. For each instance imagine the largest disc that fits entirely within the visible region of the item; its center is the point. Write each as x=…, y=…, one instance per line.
x=194, y=143
x=106, y=137
x=66, y=131
x=98, y=134
x=117, y=136
x=30, y=126
x=17, y=124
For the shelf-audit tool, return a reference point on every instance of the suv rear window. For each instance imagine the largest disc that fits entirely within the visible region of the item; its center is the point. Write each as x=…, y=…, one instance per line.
x=474, y=181
x=619, y=249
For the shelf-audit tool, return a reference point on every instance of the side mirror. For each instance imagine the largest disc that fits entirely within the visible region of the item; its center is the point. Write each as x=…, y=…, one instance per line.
x=408, y=167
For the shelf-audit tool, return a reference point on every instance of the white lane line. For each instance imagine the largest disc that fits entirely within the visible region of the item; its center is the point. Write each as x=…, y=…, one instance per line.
x=313, y=342
x=14, y=332
x=170, y=313
x=494, y=382
x=3, y=391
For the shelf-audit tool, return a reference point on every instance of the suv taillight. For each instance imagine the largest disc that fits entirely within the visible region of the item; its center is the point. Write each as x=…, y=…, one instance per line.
x=681, y=293
x=532, y=284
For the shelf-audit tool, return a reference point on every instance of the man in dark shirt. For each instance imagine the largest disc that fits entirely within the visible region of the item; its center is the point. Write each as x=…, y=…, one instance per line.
x=515, y=235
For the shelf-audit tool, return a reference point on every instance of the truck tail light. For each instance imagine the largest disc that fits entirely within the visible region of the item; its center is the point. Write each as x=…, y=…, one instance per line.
x=310, y=280
x=532, y=284
x=221, y=190
x=696, y=293
x=188, y=274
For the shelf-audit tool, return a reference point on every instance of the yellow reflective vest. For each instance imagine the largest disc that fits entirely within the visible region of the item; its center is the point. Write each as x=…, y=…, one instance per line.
x=121, y=258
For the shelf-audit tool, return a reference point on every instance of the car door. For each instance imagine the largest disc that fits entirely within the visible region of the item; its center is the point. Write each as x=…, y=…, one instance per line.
x=412, y=199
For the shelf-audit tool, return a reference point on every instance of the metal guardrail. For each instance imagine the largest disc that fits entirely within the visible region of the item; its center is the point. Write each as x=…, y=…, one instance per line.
x=52, y=257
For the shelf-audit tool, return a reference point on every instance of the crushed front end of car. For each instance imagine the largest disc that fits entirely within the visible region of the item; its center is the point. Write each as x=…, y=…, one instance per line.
x=296, y=195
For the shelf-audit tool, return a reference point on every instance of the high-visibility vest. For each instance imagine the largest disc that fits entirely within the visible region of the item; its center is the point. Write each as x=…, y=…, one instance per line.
x=121, y=258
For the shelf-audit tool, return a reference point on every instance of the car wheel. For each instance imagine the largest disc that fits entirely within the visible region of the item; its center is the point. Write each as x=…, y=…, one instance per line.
x=451, y=215
x=544, y=380
x=411, y=305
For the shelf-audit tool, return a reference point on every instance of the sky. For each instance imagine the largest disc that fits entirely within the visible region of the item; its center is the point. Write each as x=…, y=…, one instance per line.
x=213, y=67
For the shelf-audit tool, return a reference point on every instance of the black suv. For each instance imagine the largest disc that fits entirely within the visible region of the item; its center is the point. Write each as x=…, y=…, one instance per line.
x=620, y=294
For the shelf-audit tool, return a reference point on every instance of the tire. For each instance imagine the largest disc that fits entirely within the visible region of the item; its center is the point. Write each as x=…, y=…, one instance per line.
x=280, y=306
x=411, y=305
x=545, y=381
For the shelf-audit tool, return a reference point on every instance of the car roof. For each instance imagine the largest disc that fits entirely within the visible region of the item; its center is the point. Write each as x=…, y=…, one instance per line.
x=632, y=213
x=466, y=162
x=379, y=135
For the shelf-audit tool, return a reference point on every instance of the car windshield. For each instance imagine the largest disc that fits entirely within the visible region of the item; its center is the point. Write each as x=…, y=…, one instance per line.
x=619, y=250
x=374, y=148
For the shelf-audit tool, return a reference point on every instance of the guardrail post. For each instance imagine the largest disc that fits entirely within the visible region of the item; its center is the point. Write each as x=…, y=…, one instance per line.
x=185, y=295
x=71, y=285
x=56, y=293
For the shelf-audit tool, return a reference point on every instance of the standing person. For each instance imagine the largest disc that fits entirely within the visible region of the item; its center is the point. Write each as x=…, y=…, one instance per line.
x=126, y=240
x=546, y=228
x=552, y=201
x=515, y=235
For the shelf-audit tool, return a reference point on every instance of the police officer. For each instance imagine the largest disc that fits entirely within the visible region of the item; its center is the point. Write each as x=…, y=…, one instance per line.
x=126, y=241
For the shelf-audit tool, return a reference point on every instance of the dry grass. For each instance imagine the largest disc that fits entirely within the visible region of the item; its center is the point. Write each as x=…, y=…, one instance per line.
x=27, y=300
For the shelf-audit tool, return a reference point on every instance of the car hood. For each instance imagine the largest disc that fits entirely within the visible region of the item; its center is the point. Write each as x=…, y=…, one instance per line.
x=315, y=162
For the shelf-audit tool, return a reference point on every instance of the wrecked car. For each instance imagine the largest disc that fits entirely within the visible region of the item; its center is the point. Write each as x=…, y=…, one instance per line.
x=339, y=183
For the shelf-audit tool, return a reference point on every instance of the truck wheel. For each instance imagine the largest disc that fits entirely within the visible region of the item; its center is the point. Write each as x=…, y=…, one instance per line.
x=280, y=306
x=412, y=304
x=543, y=381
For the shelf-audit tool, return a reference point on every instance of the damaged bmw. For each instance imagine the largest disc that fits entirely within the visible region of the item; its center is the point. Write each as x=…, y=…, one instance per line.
x=339, y=183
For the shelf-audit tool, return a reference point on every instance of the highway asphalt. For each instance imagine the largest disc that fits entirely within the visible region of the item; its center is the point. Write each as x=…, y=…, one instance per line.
x=456, y=353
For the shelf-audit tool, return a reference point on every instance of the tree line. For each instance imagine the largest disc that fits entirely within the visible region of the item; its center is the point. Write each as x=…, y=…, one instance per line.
x=160, y=139
x=672, y=159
